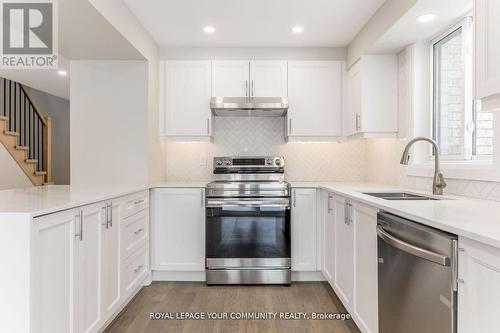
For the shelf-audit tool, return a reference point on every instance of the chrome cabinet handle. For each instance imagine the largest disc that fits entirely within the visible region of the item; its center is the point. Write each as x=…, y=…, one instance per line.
x=413, y=249
x=246, y=88
x=81, y=225
x=138, y=268
x=138, y=231
x=208, y=126
x=202, y=198
x=139, y=201
x=358, y=122
x=110, y=205
x=294, y=198
x=106, y=218
x=289, y=126
x=79, y=233
x=252, y=90
x=330, y=197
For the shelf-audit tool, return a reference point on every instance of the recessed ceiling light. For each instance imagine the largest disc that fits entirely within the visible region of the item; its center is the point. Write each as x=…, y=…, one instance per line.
x=426, y=18
x=62, y=72
x=209, y=29
x=297, y=29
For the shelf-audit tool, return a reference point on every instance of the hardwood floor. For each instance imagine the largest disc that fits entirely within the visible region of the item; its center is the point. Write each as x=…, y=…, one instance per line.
x=194, y=297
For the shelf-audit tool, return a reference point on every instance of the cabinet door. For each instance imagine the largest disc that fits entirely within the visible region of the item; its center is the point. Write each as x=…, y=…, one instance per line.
x=478, y=292
x=268, y=79
x=185, y=91
x=487, y=19
x=365, y=267
x=53, y=277
x=178, y=229
x=230, y=78
x=344, y=253
x=89, y=258
x=110, y=262
x=328, y=237
x=352, y=112
x=315, y=97
x=303, y=231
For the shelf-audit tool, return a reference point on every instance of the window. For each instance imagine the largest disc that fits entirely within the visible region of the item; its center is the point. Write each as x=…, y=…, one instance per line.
x=462, y=131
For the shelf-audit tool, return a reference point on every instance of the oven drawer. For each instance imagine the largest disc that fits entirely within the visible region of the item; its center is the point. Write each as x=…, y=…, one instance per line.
x=134, y=232
x=134, y=203
x=248, y=276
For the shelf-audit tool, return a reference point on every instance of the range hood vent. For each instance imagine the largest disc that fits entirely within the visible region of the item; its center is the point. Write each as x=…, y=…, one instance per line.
x=245, y=106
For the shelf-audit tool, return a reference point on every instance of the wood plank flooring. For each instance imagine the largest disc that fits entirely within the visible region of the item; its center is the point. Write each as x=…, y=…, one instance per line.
x=177, y=297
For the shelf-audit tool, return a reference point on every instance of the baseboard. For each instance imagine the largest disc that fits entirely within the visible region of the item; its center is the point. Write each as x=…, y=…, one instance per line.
x=179, y=276
x=201, y=276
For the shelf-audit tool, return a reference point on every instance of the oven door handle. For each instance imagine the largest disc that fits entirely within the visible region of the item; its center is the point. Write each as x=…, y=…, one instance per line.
x=285, y=203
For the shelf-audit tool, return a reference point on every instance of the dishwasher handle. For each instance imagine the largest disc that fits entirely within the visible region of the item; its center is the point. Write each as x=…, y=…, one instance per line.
x=412, y=249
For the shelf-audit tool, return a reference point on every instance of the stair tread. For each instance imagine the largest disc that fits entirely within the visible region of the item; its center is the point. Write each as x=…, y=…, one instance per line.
x=49, y=183
x=22, y=147
x=4, y=118
x=40, y=173
x=31, y=161
x=11, y=133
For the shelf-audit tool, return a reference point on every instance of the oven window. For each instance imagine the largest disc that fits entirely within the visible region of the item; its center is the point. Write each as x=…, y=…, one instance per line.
x=248, y=232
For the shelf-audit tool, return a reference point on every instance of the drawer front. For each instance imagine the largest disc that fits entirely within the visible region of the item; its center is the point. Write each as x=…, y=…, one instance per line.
x=134, y=232
x=134, y=270
x=134, y=203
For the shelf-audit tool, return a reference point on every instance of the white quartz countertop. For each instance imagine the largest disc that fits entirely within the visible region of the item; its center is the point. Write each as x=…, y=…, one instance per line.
x=472, y=218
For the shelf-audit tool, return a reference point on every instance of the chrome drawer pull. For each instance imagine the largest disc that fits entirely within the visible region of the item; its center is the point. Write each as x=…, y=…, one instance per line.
x=138, y=268
x=138, y=231
x=139, y=201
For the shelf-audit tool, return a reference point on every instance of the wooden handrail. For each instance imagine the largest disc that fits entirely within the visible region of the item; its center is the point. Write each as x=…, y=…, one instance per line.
x=35, y=107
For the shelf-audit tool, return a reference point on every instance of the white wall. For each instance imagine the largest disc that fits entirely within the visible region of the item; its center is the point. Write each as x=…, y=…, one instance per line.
x=109, y=122
x=11, y=175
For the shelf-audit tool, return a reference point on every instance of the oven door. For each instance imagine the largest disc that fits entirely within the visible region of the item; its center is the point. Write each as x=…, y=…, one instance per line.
x=248, y=233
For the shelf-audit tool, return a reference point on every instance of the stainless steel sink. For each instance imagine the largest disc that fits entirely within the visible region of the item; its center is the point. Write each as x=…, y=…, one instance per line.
x=400, y=196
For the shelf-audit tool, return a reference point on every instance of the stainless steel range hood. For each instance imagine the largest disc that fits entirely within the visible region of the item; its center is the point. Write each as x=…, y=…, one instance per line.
x=245, y=106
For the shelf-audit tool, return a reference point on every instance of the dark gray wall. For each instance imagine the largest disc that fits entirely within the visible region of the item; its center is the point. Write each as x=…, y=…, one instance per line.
x=58, y=109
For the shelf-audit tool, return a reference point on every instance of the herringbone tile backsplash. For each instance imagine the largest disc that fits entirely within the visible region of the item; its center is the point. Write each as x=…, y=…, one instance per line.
x=247, y=136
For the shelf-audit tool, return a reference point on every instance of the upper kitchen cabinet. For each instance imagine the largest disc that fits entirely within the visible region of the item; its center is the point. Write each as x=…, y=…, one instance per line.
x=185, y=91
x=487, y=18
x=315, y=99
x=249, y=78
x=230, y=78
x=268, y=79
x=372, y=97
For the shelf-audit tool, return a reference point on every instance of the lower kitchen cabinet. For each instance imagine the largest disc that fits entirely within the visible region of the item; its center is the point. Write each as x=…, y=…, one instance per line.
x=303, y=229
x=77, y=267
x=365, y=267
x=478, y=287
x=344, y=252
x=328, y=240
x=178, y=229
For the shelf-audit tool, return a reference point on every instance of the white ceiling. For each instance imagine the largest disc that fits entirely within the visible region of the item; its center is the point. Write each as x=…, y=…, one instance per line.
x=407, y=30
x=253, y=23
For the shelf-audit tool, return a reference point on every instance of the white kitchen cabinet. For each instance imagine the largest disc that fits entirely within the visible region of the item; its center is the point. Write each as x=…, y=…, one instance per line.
x=89, y=253
x=268, y=78
x=230, y=78
x=303, y=233
x=315, y=98
x=328, y=234
x=344, y=252
x=478, y=291
x=372, y=97
x=185, y=92
x=178, y=229
x=487, y=30
x=55, y=263
x=365, y=267
x=111, y=259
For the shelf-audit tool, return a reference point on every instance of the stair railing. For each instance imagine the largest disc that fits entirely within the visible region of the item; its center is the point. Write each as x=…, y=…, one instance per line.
x=34, y=130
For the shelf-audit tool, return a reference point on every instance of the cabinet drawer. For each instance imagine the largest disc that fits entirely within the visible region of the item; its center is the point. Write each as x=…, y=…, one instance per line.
x=134, y=232
x=134, y=270
x=134, y=203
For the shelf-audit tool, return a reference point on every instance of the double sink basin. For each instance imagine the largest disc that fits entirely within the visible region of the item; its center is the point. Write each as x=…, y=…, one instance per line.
x=400, y=196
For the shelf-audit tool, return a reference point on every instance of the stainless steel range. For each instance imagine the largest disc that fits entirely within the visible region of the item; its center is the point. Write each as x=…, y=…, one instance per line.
x=248, y=222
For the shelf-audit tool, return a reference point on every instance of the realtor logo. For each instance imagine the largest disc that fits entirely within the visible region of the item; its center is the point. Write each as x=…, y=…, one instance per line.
x=29, y=34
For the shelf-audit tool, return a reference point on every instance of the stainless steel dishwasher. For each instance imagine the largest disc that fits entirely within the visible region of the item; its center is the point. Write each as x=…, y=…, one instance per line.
x=417, y=277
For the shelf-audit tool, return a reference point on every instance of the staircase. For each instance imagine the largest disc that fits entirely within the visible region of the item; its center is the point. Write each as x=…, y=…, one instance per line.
x=25, y=132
